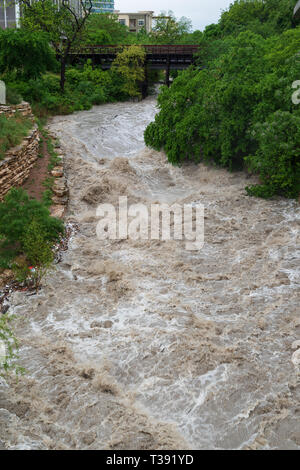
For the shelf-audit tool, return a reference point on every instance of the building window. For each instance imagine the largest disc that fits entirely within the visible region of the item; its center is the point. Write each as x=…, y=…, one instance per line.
x=141, y=22
x=122, y=22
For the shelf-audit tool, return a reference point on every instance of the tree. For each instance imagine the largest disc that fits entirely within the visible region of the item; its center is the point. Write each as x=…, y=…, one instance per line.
x=27, y=52
x=104, y=29
x=238, y=111
x=38, y=251
x=169, y=30
x=130, y=65
x=265, y=17
x=64, y=25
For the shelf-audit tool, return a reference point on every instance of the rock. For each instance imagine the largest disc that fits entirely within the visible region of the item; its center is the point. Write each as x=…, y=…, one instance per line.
x=18, y=161
x=59, y=191
x=60, y=188
x=60, y=200
x=4, y=309
x=296, y=358
x=58, y=211
x=58, y=172
x=296, y=344
x=6, y=276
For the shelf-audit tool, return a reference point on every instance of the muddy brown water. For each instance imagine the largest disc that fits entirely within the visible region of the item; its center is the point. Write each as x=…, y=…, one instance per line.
x=143, y=344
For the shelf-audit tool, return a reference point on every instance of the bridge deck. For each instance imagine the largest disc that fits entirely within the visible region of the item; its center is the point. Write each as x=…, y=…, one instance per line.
x=161, y=57
x=150, y=49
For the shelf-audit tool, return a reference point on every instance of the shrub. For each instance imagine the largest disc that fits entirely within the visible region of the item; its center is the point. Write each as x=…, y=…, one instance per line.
x=130, y=65
x=12, y=97
x=17, y=212
x=12, y=132
x=21, y=269
x=277, y=159
x=38, y=250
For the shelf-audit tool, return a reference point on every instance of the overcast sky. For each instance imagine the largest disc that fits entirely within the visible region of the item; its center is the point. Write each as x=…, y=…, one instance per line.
x=201, y=12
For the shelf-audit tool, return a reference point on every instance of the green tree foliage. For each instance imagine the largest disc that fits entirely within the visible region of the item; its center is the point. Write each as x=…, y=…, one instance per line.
x=36, y=245
x=17, y=212
x=38, y=250
x=63, y=23
x=265, y=17
x=277, y=159
x=85, y=86
x=130, y=65
x=224, y=112
x=27, y=53
x=168, y=29
x=104, y=29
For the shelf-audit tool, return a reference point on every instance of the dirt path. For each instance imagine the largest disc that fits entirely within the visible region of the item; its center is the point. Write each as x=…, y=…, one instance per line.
x=34, y=184
x=143, y=344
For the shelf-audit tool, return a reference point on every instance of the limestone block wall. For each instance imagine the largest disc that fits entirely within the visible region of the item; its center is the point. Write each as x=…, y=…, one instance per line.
x=15, y=167
x=23, y=108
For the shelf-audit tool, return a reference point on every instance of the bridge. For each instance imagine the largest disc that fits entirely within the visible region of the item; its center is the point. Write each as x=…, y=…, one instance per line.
x=159, y=57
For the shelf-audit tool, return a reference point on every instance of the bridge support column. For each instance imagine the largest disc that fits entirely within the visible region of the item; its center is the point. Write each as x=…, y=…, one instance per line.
x=168, y=72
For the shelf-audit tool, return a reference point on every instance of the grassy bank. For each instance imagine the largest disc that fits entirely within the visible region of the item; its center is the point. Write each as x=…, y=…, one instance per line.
x=12, y=131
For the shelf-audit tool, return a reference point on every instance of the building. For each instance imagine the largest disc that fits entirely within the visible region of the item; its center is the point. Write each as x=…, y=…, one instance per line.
x=9, y=14
x=105, y=6
x=136, y=21
x=297, y=11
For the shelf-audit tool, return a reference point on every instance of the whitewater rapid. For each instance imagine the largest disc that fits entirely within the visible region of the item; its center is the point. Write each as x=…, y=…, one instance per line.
x=143, y=344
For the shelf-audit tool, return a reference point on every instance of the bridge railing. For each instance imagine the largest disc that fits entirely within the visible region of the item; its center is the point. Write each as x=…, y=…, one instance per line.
x=150, y=49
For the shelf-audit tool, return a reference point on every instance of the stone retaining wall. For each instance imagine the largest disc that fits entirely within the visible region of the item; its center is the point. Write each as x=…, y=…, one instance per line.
x=18, y=161
x=23, y=108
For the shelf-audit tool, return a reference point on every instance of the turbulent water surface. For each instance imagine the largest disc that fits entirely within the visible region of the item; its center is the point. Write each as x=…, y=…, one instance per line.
x=143, y=344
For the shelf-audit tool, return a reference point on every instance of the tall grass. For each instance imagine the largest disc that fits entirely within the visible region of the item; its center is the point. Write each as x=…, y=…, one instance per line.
x=12, y=132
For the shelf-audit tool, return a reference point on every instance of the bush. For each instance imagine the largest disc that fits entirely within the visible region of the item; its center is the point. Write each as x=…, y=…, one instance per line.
x=130, y=65
x=38, y=251
x=277, y=158
x=12, y=97
x=85, y=87
x=12, y=131
x=17, y=212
